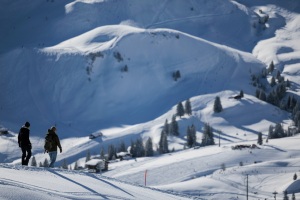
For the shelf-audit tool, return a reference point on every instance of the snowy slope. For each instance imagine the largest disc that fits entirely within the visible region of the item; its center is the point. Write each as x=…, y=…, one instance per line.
x=29, y=183
x=62, y=62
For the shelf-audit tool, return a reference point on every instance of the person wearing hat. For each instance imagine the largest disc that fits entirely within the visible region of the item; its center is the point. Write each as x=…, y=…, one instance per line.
x=54, y=140
x=24, y=143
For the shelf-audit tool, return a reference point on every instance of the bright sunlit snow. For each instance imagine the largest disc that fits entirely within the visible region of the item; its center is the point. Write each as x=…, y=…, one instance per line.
x=91, y=66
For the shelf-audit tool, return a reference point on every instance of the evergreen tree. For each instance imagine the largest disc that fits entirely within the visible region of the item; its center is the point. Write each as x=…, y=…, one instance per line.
x=191, y=136
x=278, y=131
x=46, y=163
x=257, y=93
x=75, y=166
x=273, y=82
x=208, y=136
x=163, y=146
x=217, y=105
x=133, y=149
x=64, y=164
x=180, y=109
x=166, y=127
x=41, y=164
x=102, y=154
x=174, y=129
x=188, y=107
x=259, y=139
x=262, y=95
x=288, y=83
x=33, y=162
x=271, y=132
x=241, y=93
x=271, y=67
x=111, y=152
x=122, y=147
x=88, y=156
x=295, y=177
x=140, y=150
x=293, y=196
x=285, y=195
x=149, y=148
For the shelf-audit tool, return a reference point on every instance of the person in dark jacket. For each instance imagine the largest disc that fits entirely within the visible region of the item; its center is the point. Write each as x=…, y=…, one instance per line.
x=55, y=143
x=24, y=143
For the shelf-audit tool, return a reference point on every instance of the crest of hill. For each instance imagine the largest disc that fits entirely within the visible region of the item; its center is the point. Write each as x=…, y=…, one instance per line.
x=47, y=23
x=80, y=84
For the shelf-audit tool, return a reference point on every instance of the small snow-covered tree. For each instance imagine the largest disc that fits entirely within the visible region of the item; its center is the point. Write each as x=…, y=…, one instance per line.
x=122, y=147
x=46, y=163
x=208, y=136
x=75, y=166
x=259, y=139
x=188, y=107
x=163, y=146
x=241, y=93
x=88, y=156
x=174, y=129
x=166, y=127
x=271, y=67
x=295, y=177
x=180, y=110
x=217, y=105
x=285, y=195
x=64, y=164
x=33, y=161
x=149, y=148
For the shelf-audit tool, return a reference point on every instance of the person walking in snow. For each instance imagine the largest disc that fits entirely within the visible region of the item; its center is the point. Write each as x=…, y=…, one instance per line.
x=51, y=144
x=24, y=143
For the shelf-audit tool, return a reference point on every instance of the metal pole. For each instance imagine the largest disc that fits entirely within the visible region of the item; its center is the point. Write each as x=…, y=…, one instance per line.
x=219, y=140
x=247, y=186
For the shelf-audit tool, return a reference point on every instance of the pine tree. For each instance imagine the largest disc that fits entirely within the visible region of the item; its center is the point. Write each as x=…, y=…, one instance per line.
x=278, y=131
x=41, y=164
x=208, y=136
x=102, y=155
x=262, y=95
x=111, y=152
x=33, y=162
x=295, y=177
x=140, y=150
x=174, y=129
x=188, y=107
x=271, y=132
x=293, y=196
x=163, y=146
x=149, y=148
x=180, y=110
x=122, y=147
x=217, y=105
x=191, y=136
x=64, y=164
x=273, y=82
x=285, y=195
x=75, y=166
x=271, y=67
x=259, y=139
x=88, y=156
x=46, y=163
x=241, y=93
x=166, y=127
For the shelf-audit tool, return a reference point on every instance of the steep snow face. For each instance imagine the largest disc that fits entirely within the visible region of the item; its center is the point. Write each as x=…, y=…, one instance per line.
x=116, y=75
x=46, y=23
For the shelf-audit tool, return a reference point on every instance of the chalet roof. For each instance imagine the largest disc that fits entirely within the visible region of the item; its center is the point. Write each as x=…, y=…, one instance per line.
x=93, y=162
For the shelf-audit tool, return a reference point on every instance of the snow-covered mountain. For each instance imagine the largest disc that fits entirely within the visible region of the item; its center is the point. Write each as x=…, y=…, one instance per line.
x=93, y=65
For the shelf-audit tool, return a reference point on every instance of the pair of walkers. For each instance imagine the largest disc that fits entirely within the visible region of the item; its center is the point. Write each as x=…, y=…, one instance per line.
x=51, y=144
